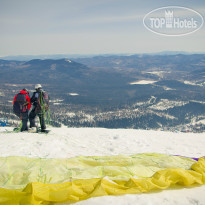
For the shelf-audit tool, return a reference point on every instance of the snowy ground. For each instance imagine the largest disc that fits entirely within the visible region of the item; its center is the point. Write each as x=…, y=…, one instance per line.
x=70, y=142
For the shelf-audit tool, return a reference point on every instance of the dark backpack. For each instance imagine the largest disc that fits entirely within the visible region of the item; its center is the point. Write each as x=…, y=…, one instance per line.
x=20, y=104
x=42, y=102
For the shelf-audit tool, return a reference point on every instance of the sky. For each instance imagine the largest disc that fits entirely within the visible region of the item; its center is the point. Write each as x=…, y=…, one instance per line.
x=38, y=27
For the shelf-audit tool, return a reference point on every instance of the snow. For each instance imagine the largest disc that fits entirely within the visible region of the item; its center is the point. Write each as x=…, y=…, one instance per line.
x=158, y=73
x=201, y=121
x=11, y=85
x=165, y=104
x=70, y=142
x=73, y=94
x=1, y=94
x=69, y=61
x=167, y=88
x=143, y=82
x=70, y=114
x=192, y=83
x=56, y=100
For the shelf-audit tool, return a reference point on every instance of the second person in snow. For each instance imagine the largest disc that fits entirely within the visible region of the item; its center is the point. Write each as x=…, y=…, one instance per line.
x=40, y=101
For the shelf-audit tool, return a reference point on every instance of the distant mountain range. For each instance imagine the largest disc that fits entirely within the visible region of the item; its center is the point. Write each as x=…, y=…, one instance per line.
x=60, y=56
x=110, y=83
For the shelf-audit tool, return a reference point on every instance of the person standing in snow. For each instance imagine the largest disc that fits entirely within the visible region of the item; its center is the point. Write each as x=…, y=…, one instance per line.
x=21, y=105
x=40, y=103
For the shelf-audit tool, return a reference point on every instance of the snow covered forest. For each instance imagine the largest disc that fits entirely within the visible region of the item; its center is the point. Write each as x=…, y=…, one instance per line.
x=141, y=92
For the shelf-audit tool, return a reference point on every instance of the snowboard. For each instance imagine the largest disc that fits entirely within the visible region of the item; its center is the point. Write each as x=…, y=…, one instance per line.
x=30, y=130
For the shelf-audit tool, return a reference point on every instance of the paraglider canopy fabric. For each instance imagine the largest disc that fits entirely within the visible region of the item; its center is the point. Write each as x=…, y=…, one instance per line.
x=26, y=180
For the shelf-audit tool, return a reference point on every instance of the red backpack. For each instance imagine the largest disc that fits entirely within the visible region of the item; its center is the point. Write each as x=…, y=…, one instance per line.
x=20, y=104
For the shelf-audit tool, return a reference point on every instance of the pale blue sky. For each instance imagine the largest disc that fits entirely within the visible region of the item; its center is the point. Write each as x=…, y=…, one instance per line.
x=30, y=27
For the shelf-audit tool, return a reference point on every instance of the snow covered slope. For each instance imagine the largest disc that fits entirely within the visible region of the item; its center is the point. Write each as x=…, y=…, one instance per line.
x=70, y=142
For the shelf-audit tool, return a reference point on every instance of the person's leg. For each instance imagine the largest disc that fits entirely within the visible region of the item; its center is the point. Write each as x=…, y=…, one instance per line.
x=42, y=122
x=24, y=118
x=32, y=116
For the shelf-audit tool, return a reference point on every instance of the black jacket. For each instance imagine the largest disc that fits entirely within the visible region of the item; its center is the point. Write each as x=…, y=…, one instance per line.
x=35, y=97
